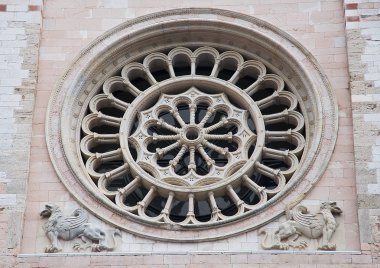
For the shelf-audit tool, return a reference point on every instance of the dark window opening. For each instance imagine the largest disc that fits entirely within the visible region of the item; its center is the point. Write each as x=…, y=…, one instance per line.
x=135, y=125
x=105, y=129
x=281, y=126
x=215, y=118
x=180, y=71
x=281, y=145
x=228, y=67
x=264, y=181
x=251, y=124
x=200, y=112
x=109, y=166
x=179, y=210
x=247, y=195
x=168, y=118
x=201, y=165
x=275, y=164
x=274, y=109
x=111, y=111
x=225, y=129
x=204, y=70
x=225, y=74
x=184, y=112
x=140, y=83
x=125, y=96
x=245, y=81
x=232, y=146
x=158, y=68
x=262, y=94
x=161, y=75
x=135, y=197
x=182, y=167
x=104, y=147
x=156, y=206
x=158, y=145
x=160, y=131
x=205, y=64
x=202, y=211
x=251, y=150
x=181, y=65
x=226, y=205
x=133, y=152
x=164, y=161
x=119, y=182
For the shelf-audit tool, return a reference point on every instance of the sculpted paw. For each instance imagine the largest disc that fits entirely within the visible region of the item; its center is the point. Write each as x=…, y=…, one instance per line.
x=303, y=244
x=51, y=249
x=328, y=246
x=298, y=245
x=77, y=247
x=96, y=248
x=284, y=246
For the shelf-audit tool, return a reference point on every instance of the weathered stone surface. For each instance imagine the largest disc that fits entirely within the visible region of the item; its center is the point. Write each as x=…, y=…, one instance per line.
x=363, y=47
x=19, y=41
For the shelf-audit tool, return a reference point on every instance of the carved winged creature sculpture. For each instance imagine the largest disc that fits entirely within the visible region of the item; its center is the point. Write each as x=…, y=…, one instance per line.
x=301, y=222
x=62, y=227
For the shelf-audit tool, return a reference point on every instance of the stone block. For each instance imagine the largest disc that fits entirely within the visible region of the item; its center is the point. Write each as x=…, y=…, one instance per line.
x=176, y=259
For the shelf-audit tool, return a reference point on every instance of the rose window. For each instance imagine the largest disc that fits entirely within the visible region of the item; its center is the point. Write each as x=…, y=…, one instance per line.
x=192, y=136
x=191, y=125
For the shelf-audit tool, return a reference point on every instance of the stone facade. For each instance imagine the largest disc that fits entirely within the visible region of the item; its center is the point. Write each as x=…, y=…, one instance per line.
x=49, y=36
x=20, y=25
x=363, y=40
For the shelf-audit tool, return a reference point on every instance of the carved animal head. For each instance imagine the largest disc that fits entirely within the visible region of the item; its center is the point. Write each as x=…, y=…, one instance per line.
x=49, y=209
x=332, y=206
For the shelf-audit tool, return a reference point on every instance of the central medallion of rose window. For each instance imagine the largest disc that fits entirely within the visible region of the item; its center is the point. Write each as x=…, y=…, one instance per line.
x=193, y=138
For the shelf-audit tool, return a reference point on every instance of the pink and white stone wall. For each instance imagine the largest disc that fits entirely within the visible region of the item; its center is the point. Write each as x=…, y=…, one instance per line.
x=20, y=25
x=49, y=34
x=363, y=39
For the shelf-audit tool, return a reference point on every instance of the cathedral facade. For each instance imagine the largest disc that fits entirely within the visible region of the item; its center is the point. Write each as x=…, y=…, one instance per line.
x=189, y=133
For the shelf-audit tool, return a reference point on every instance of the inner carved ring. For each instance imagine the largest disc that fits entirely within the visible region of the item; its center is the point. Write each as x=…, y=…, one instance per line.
x=201, y=143
x=192, y=133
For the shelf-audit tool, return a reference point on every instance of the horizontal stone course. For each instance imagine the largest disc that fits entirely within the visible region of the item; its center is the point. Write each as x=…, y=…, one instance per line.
x=200, y=258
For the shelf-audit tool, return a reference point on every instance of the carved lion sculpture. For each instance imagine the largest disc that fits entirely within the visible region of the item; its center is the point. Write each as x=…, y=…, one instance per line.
x=301, y=222
x=59, y=226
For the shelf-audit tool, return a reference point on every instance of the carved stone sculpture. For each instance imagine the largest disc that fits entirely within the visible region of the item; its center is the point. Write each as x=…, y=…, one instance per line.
x=62, y=227
x=301, y=222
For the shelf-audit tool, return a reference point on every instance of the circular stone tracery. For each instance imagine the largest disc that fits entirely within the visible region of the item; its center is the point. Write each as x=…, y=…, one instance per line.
x=95, y=102
x=186, y=151
x=196, y=138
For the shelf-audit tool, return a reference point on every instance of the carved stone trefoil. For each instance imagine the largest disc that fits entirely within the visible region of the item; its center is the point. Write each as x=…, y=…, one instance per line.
x=302, y=223
x=59, y=226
